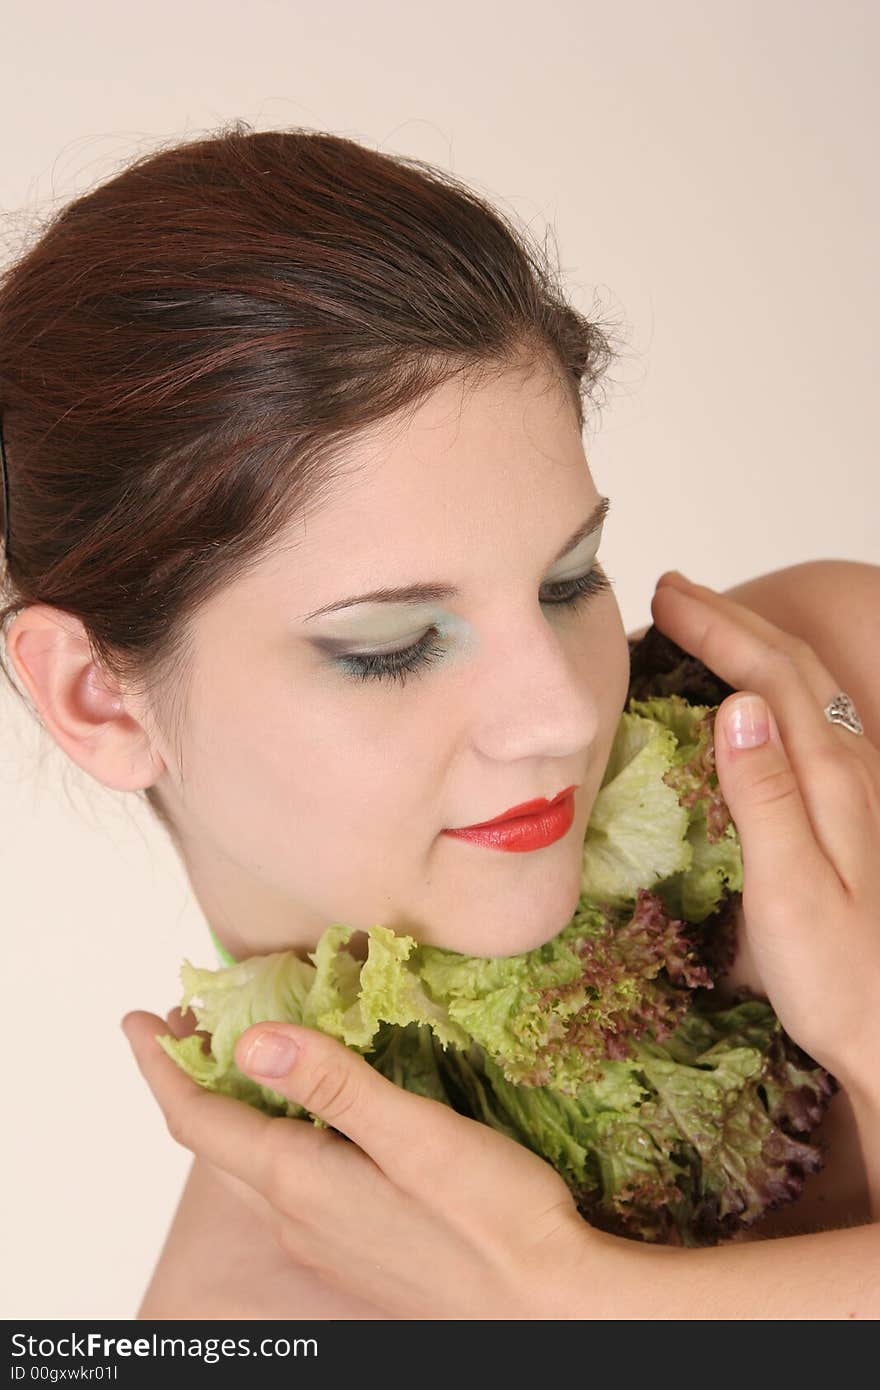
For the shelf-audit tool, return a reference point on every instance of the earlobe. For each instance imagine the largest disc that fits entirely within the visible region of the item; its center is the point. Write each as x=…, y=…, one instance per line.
x=78, y=703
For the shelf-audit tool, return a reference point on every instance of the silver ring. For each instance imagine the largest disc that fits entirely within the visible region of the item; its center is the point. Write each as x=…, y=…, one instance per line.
x=841, y=710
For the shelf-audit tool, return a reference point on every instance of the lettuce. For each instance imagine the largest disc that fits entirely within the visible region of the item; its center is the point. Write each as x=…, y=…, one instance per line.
x=670, y=1118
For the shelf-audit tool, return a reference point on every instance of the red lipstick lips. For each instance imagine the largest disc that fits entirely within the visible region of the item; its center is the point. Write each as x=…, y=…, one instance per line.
x=525, y=808
x=530, y=825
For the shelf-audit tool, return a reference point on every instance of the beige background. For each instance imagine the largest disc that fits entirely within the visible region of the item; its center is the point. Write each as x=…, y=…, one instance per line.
x=709, y=168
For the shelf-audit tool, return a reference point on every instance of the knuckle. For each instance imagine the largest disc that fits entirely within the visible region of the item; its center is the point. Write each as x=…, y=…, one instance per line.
x=787, y=655
x=333, y=1093
x=184, y=1121
x=774, y=786
x=770, y=663
x=178, y=1126
x=797, y=648
x=714, y=639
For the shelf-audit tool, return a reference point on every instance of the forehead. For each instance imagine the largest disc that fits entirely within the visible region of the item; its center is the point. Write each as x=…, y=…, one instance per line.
x=433, y=494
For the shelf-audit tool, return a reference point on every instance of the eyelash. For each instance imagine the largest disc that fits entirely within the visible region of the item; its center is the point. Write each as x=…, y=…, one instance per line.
x=400, y=665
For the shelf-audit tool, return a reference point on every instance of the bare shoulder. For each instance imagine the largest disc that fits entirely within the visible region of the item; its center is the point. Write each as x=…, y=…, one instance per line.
x=834, y=605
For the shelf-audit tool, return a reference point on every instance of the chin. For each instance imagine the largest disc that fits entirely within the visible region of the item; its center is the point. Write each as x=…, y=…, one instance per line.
x=501, y=919
x=514, y=938
x=521, y=943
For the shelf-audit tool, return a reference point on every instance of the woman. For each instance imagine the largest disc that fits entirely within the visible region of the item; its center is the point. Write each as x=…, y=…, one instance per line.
x=326, y=588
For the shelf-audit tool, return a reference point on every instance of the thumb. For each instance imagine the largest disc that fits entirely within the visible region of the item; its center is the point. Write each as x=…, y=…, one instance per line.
x=762, y=791
x=424, y=1147
x=400, y=1131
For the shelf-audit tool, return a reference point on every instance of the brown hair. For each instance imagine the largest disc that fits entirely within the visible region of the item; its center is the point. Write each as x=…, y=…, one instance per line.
x=185, y=350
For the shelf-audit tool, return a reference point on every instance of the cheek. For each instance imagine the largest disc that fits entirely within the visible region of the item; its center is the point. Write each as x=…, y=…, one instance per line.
x=604, y=671
x=327, y=777
x=600, y=652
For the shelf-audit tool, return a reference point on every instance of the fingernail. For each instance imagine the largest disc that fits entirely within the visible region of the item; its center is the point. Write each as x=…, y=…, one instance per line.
x=270, y=1054
x=747, y=723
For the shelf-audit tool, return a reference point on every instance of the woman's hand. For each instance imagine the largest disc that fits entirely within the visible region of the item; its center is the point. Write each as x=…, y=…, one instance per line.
x=806, y=805
x=426, y=1215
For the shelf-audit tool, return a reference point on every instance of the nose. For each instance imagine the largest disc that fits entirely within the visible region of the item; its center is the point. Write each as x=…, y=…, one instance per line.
x=531, y=698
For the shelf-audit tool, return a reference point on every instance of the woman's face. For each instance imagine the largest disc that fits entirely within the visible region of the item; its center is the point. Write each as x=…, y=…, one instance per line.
x=312, y=793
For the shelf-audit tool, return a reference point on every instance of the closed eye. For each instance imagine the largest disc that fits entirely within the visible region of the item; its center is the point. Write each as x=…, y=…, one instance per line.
x=400, y=665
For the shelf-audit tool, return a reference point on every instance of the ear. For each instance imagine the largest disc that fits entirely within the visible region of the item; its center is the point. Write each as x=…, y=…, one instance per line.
x=81, y=706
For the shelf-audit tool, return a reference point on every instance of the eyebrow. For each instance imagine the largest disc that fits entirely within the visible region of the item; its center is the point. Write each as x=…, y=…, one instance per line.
x=432, y=593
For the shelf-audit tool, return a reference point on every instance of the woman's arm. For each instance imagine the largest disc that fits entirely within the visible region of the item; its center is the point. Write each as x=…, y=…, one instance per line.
x=827, y=1275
